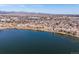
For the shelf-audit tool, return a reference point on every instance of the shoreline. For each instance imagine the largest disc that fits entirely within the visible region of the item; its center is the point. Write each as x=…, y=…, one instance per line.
x=65, y=25
x=61, y=33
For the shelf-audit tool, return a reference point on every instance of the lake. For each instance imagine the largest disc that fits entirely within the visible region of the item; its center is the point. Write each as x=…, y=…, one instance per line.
x=14, y=41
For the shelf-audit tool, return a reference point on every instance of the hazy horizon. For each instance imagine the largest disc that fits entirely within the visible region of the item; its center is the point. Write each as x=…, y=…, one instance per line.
x=42, y=8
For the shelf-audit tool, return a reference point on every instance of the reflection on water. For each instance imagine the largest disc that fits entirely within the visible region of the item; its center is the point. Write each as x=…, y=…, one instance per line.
x=27, y=41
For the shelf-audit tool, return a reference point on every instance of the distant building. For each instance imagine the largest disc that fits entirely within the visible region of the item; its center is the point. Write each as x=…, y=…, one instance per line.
x=33, y=17
x=4, y=20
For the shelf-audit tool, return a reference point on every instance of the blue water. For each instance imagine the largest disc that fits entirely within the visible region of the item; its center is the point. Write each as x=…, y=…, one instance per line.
x=36, y=42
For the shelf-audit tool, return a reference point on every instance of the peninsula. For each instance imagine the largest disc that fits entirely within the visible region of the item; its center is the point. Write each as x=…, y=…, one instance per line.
x=58, y=23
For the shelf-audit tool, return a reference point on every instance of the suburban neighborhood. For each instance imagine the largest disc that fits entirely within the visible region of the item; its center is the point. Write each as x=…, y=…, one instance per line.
x=64, y=24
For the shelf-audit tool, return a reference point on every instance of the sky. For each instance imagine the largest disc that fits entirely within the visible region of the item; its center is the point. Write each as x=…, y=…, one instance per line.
x=42, y=8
